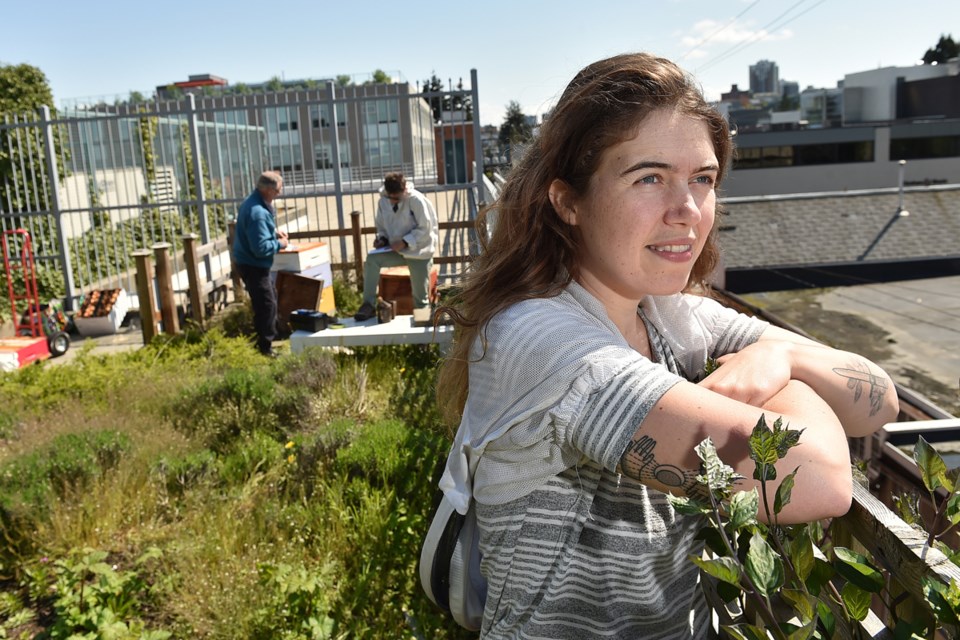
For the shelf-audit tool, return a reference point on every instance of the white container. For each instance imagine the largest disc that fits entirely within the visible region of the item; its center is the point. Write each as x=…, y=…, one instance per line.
x=104, y=325
x=303, y=256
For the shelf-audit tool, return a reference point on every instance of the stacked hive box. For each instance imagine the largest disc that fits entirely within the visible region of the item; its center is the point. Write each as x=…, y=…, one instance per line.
x=395, y=285
x=312, y=260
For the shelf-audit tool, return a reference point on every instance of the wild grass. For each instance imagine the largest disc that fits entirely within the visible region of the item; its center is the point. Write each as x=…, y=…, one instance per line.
x=218, y=494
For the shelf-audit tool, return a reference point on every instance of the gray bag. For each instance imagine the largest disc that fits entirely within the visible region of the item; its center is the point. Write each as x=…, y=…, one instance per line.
x=450, y=565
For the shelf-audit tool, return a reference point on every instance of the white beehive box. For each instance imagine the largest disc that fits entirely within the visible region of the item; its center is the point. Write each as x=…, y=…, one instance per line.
x=302, y=256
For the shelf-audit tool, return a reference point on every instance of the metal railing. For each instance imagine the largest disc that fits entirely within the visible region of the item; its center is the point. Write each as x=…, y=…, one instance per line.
x=95, y=185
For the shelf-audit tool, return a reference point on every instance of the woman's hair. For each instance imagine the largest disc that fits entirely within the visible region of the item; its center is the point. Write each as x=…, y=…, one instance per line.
x=532, y=252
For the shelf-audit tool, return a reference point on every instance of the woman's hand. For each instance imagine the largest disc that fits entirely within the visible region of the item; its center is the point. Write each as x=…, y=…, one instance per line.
x=753, y=375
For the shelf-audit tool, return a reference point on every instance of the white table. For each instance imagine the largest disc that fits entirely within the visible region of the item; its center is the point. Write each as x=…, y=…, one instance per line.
x=400, y=330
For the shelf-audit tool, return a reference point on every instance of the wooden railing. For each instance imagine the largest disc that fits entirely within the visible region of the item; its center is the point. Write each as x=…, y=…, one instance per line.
x=356, y=232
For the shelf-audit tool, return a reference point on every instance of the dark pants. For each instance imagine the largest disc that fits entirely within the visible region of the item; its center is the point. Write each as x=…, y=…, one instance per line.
x=263, y=298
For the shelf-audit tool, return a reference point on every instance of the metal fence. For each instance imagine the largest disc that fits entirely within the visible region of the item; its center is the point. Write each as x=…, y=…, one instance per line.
x=96, y=183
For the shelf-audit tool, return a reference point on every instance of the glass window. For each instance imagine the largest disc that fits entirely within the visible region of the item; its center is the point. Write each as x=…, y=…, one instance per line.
x=919, y=148
x=320, y=116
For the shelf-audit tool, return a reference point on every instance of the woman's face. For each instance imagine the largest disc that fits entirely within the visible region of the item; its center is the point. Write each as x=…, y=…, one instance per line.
x=647, y=211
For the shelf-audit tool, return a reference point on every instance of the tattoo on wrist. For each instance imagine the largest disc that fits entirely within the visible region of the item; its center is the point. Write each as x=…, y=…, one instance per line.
x=858, y=375
x=639, y=462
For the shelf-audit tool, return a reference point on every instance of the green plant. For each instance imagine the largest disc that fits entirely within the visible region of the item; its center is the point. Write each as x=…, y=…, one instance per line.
x=94, y=599
x=298, y=603
x=221, y=410
x=346, y=296
x=788, y=581
x=69, y=461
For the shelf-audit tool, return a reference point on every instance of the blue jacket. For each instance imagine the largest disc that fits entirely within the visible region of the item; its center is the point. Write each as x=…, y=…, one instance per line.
x=256, y=236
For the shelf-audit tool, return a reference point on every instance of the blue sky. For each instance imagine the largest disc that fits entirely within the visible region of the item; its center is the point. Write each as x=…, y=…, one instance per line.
x=523, y=50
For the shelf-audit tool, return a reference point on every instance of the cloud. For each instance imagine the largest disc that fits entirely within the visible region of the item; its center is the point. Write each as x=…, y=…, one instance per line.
x=712, y=32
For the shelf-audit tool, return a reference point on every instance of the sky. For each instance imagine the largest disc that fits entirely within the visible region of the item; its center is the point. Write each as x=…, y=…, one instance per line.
x=522, y=50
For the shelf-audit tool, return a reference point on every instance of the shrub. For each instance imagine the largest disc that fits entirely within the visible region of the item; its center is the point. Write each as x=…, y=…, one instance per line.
x=346, y=296
x=68, y=461
x=223, y=409
x=29, y=484
x=181, y=473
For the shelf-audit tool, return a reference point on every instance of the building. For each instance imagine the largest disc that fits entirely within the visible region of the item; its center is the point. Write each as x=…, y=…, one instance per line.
x=736, y=96
x=822, y=108
x=853, y=137
x=764, y=77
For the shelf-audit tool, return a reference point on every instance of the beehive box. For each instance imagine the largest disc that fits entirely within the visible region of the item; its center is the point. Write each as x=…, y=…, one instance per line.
x=395, y=285
x=302, y=256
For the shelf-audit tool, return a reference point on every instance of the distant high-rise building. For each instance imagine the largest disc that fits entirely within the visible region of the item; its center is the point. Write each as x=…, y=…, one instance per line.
x=764, y=77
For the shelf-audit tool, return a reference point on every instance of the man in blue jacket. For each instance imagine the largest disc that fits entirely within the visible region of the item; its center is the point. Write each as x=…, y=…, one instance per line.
x=257, y=241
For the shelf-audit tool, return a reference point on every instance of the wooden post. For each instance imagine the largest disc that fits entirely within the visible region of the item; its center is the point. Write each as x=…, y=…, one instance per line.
x=148, y=312
x=238, y=290
x=357, y=248
x=168, y=304
x=198, y=311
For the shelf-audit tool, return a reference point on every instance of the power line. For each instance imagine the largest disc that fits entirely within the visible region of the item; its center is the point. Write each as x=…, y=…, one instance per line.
x=720, y=30
x=737, y=48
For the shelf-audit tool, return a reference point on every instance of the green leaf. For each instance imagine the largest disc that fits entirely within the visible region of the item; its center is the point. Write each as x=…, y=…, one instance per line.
x=724, y=569
x=827, y=619
x=856, y=600
x=764, y=566
x=803, y=603
x=953, y=508
x=943, y=600
x=784, y=491
x=857, y=569
x=688, y=506
x=933, y=470
x=822, y=573
x=802, y=633
x=763, y=451
x=801, y=554
x=714, y=540
x=743, y=508
x=745, y=632
x=718, y=476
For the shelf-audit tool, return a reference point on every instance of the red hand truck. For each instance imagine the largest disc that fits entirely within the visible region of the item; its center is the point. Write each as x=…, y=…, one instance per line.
x=39, y=330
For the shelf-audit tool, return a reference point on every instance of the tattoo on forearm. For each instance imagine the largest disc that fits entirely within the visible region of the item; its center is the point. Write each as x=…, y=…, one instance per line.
x=858, y=375
x=638, y=462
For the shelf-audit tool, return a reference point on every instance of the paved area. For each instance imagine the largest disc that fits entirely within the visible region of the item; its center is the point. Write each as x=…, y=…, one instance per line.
x=911, y=328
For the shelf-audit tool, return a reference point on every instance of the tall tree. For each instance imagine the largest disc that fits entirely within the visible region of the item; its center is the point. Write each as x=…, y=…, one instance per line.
x=451, y=100
x=515, y=128
x=23, y=183
x=945, y=49
x=380, y=77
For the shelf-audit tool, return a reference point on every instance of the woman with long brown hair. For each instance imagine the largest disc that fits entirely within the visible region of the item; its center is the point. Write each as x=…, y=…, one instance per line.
x=578, y=379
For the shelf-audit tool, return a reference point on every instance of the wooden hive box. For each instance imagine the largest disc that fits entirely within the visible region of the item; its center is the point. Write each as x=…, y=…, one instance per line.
x=395, y=285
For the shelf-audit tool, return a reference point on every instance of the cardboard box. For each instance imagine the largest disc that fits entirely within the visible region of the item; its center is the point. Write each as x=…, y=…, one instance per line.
x=302, y=256
x=109, y=315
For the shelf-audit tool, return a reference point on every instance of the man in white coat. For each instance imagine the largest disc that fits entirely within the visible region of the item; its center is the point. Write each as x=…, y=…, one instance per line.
x=407, y=234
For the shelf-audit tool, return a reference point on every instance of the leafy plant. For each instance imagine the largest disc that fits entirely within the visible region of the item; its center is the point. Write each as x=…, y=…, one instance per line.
x=97, y=600
x=787, y=582
x=298, y=603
